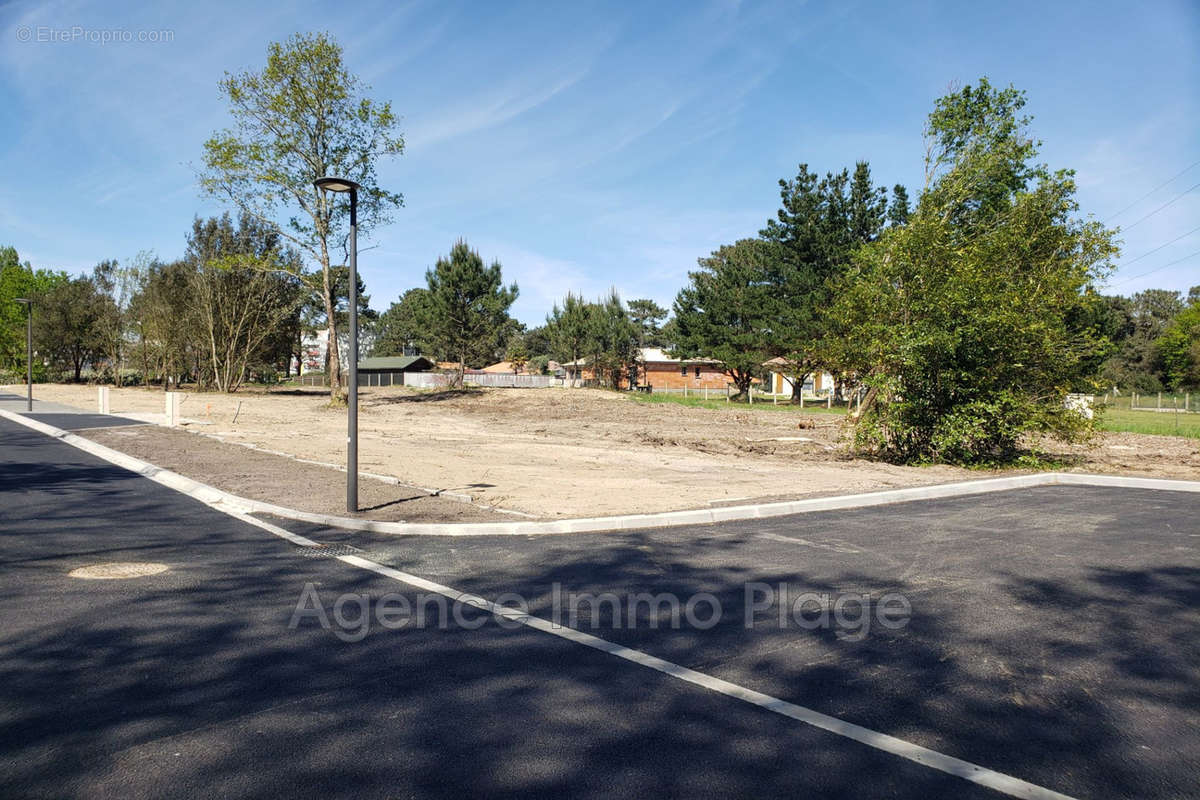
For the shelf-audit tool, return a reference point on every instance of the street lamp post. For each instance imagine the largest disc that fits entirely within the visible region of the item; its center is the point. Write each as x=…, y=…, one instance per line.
x=28, y=352
x=344, y=185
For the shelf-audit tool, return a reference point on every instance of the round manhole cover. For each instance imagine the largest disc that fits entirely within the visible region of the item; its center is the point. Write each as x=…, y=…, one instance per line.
x=118, y=570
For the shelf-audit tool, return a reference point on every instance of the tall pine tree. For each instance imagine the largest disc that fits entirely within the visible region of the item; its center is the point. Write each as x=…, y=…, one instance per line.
x=467, y=309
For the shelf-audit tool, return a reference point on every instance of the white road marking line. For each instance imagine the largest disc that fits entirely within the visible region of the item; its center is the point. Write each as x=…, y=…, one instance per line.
x=1007, y=784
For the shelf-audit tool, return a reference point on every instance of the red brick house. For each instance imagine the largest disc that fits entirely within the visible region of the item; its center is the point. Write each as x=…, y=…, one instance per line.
x=658, y=370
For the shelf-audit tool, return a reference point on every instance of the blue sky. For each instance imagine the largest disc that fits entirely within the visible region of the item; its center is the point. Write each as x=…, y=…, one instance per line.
x=588, y=145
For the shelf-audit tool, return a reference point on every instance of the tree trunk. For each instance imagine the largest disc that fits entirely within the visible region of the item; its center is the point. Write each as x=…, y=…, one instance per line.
x=864, y=405
x=742, y=381
x=798, y=382
x=336, y=394
x=460, y=373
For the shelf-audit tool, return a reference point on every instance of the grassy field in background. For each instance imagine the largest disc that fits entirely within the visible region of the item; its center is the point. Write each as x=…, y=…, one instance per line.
x=815, y=406
x=1113, y=419
x=1164, y=423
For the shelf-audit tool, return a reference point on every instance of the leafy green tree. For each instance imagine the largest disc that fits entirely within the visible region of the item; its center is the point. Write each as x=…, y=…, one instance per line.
x=467, y=313
x=986, y=127
x=19, y=279
x=1137, y=363
x=69, y=324
x=729, y=311
x=647, y=316
x=1096, y=318
x=167, y=340
x=1179, y=349
x=960, y=320
x=1153, y=310
x=243, y=290
x=401, y=327
x=302, y=117
x=118, y=284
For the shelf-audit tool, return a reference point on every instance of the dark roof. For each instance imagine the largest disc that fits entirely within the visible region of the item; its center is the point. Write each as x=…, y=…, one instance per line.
x=396, y=364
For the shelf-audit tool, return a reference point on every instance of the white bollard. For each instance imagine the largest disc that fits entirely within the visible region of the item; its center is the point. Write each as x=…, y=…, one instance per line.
x=172, y=410
x=104, y=407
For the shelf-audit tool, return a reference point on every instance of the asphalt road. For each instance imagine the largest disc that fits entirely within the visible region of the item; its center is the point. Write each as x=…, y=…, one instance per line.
x=1053, y=636
x=62, y=416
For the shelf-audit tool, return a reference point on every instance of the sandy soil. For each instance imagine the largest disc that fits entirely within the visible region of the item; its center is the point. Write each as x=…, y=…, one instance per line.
x=565, y=453
x=281, y=480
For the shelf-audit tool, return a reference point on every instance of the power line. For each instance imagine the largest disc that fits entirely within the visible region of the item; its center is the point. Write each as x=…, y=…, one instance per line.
x=1152, y=191
x=1161, y=246
x=1160, y=208
x=1157, y=269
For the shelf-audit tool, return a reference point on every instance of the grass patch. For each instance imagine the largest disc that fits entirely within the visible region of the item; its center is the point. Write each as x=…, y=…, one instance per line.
x=814, y=407
x=1166, y=423
x=1113, y=419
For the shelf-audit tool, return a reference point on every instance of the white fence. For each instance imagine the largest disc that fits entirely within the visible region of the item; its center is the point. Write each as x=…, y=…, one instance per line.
x=430, y=380
x=1174, y=402
x=1161, y=401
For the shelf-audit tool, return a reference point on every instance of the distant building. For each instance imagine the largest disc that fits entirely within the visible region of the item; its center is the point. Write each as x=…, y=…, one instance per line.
x=315, y=345
x=779, y=382
x=390, y=370
x=658, y=370
x=312, y=352
x=504, y=368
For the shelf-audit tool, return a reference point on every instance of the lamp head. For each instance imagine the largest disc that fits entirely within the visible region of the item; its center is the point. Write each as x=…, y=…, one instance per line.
x=335, y=184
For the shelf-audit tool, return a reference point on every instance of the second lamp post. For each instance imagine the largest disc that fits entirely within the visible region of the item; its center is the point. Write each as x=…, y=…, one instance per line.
x=343, y=185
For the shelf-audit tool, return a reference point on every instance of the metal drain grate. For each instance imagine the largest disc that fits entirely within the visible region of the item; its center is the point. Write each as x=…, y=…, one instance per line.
x=330, y=551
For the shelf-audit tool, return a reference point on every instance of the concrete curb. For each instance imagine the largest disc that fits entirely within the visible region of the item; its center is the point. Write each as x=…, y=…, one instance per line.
x=226, y=501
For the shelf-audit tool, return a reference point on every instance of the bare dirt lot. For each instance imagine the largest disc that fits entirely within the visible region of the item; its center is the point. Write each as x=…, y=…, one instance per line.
x=567, y=453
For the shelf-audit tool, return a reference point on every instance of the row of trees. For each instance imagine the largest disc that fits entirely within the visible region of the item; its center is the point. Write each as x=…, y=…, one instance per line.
x=769, y=297
x=237, y=304
x=1155, y=338
x=967, y=319
x=461, y=316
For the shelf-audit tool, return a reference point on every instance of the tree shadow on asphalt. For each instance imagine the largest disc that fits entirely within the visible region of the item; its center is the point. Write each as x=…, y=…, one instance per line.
x=136, y=692
x=1067, y=677
x=195, y=683
x=36, y=476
